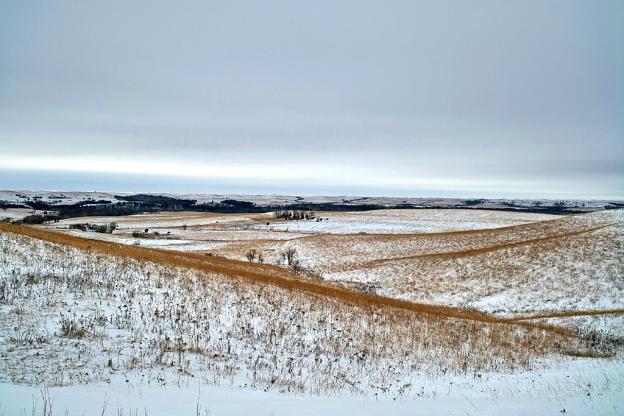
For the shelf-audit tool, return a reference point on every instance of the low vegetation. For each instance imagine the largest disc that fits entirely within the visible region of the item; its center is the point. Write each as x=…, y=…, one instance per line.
x=294, y=215
x=113, y=313
x=98, y=228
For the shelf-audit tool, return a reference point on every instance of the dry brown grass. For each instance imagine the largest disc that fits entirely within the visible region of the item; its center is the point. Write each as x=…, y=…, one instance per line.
x=483, y=250
x=269, y=275
x=192, y=302
x=479, y=263
x=567, y=314
x=174, y=305
x=558, y=274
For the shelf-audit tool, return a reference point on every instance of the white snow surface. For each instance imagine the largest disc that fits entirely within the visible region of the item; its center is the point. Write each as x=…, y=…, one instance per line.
x=32, y=354
x=579, y=387
x=407, y=221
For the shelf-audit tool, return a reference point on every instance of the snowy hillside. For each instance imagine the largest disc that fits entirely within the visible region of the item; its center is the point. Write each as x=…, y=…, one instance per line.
x=81, y=318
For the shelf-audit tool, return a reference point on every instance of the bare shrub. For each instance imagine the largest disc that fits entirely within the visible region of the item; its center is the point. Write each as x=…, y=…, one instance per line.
x=296, y=267
x=251, y=254
x=288, y=256
x=81, y=227
x=102, y=229
x=33, y=219
x=73, y=328
x=47, y=401
x=111, y=227
x=98, y=228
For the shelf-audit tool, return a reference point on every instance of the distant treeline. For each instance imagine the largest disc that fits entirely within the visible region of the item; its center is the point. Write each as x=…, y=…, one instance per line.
x=140, y=203
x=158, y=201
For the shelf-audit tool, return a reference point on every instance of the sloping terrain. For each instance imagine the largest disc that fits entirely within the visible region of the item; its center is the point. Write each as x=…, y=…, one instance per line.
x=69, y=204
x=257, y=274
x=447, y=314
x=571, y=263
x=528, y=264
x=80, y=315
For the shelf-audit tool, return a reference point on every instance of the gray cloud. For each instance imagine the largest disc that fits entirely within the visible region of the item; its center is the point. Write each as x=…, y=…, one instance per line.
x=529, y=93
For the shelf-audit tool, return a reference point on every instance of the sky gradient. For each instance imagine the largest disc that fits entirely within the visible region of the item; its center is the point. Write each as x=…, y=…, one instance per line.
x=457, y=98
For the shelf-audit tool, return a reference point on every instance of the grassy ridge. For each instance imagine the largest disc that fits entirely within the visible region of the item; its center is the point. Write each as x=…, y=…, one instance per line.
x=269, y=275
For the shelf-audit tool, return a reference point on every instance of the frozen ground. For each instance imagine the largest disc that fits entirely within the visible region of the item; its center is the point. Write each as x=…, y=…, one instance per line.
x=232, y=234
x=142, y=337
x=572, y=263
x=162, y=220
x=514, y=263
x=578, y=387
x=377, y=221
x=408, y=221
x=17, y=213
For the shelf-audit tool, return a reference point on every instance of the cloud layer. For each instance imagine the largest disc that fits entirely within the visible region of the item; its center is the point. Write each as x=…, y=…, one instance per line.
x=520, y=98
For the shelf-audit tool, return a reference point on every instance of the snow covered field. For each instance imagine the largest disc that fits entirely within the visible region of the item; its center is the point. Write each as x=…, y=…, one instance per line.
x=232, y=234
x=516, y=263
x=578, y=387
x=138, y=337
x=408, y=221
x=571, y=263
x=17, y=213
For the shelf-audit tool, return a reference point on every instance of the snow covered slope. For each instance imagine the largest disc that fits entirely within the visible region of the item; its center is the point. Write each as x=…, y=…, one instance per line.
x=132, y=336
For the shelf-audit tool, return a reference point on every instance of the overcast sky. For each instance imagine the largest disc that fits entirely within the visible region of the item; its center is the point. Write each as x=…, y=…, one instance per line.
x=446, y=98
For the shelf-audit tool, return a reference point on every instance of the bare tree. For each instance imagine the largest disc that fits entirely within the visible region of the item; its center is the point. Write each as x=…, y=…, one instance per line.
x=251, y=254
x=296, y=266
x=290, y=255
x=111, y=227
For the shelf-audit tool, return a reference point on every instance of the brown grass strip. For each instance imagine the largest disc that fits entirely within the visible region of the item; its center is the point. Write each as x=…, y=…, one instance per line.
x=566, y=314
x=265, y=274
x=481, y=250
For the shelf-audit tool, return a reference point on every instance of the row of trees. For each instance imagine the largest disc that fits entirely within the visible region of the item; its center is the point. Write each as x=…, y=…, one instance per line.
x=294, y=215
x=98, y=228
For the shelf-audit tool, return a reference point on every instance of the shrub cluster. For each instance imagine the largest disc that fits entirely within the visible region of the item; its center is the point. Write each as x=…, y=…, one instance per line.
x=98, y=228
x=294, y=215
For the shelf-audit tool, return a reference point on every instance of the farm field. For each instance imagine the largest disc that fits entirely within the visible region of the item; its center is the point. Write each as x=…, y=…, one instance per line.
x=504, y=263
x=177, y=229
x=383, y=312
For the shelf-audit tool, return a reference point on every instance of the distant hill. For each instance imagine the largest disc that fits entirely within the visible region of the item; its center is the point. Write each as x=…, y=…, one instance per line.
x=76, y=204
